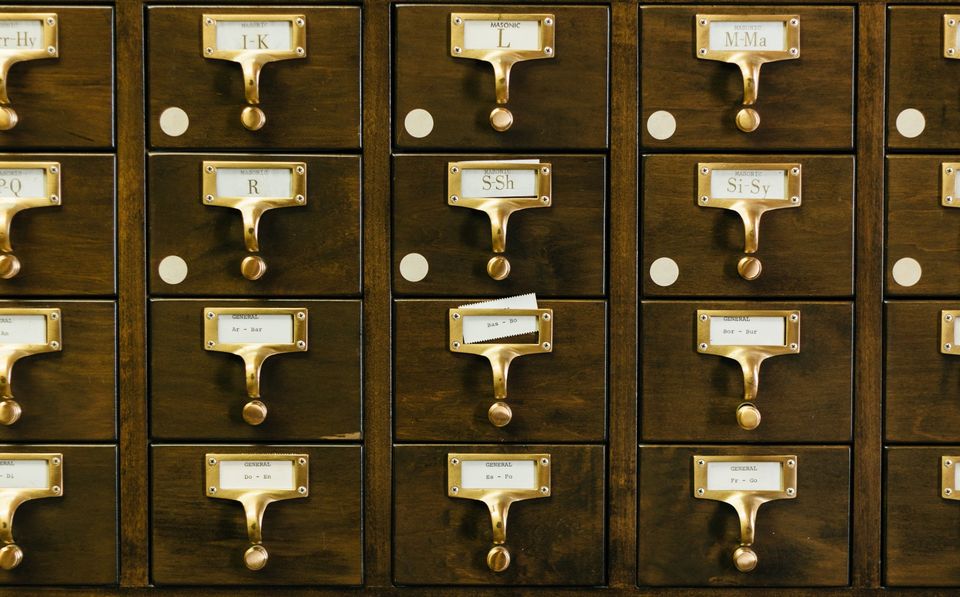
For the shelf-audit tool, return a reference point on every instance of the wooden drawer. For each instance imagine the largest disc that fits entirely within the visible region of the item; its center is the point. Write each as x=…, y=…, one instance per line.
x=689, y=395
x=805, y=250
x=198, y=540
x=309, y=250
x=309, y=102
x=555, y=396
x=69, y=539
x=802, y=103
x=199, y=393
x=800, y=541
x=557, y=250
x=442, y=101
x=557, y=540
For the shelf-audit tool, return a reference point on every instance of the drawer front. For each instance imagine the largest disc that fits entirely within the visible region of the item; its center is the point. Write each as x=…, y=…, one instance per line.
x=309, y=102
x=70, y=539
x=689, y=396
x=68, y=394
x=804, y=250
x=803, y=541
x=555, y=250
x=554, y=396
x=198, y=540
x=65, y=101
x=560, y=102
x=702, y=97
x=199, y=393
x=309, y=250
x=557, y=540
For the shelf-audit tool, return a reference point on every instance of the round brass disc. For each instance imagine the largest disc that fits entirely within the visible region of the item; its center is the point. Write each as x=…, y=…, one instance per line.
x=501, y=119
x=748, y=120
x=253, y=118
x=749, y=268
x=9, y=266
x=255, y=558
x=498, y=558
x=745, y=559
x=8, y=118
x=254, y=412
x=253, y=267
x=498, y=268
x=10, y=556
x=748, y=416
x=9, y=412
x=500, y=414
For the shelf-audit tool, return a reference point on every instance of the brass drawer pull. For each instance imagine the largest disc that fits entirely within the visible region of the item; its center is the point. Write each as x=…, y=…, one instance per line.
x=36, y=38
x=26, y=332
x=25, y=477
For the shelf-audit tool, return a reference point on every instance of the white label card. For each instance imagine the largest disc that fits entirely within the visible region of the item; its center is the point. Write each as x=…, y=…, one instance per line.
x=748, y=331
x=748, y=184
x=21, y=35
x=24, y=474
x=956, y=339
x=956, y=476
x=501, y=35
x=744, y=476
x=23, y=329
x=274, y=183
x=257, y=474
x=498, y=474
x=727, y=36
x=255, y=328
x=497, y=182
x=22, y=182
x=482, y=328
x=254, y=35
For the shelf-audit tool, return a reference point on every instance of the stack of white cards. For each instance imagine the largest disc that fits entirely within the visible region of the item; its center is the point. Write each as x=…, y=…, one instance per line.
x=483, y=328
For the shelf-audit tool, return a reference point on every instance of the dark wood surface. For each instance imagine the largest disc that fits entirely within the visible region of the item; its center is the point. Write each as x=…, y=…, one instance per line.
x=310, y=541
x=556, y=396
x=554, y=251
x=311, y=102
x=557, y=540
x=199, y=394
x=804, y=541
x=687, y=396
x=310, y=250
x=556, y=102
x=806, y=250
x=805, y=103
x=71, y=539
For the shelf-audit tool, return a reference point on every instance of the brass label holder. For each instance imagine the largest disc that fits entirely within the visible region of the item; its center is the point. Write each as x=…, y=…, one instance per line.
x=501, y=56
x=251, y=206
x=254, y=353
x=253, y=59
x=948, y=332
x=750, y=357
x=499, y=209
x=10, y=353
x=948, y=184
x=501, y=355
x=749, y=209
x=951, y=44
x=496, y=492
x=745, y=501
x=44, y=45
x=11, y=497
x=258, y=493
x=749, y=60
x=949, y=486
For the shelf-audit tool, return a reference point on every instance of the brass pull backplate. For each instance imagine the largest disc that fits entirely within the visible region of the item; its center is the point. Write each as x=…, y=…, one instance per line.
x=24, y=477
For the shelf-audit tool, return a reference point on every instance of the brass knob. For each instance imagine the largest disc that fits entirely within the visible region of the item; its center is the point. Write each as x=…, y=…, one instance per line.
x=745, y=559
x=8, y=118
x=498, y=268
x=749, y=268
x=748, y=416
x=10, y=411
x=253, y=267
x=254, y=412
x=748, y=120
x=255, y=558
x=500, y=414
x=253, y=118
x=501, y=119
x=498, y=558
x=9, y=266
x=10, y=556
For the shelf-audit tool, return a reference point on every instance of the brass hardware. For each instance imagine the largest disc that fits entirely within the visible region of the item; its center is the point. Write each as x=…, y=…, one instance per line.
x=45, y=45
x=253, y=59
x=496, y=494
x=251, y=205
x=501, y=355
x=749, y=268
x=951, y=44
x=745, y=501
x=750, y=356
x=502, y=57
x=498, y=268
x=14, y=198
x=948, y=184
x=11, y=497
x=948, y=332
x=949, y=485
x=749, y=60
x=254, y=353
x=258, y=494
x=10, y=353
